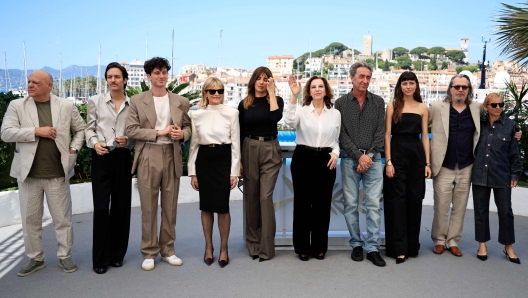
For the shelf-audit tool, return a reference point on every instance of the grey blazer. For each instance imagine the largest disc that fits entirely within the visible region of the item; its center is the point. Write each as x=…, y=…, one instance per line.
x=20, y=121
x=439, y=117
x=141, y=123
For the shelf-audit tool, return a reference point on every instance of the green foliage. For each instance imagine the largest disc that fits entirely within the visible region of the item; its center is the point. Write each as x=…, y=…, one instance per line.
x=419, y=50
x=172, y=87
x=436, y=51
x=131, y=91
x=371, y=62
x=456, y=55
x=432, y=65
x=512, y=32
x=517, y=106
x=418, y=65
x=7, y=150
x=400, y=51
x=444, y=65
x=83, y=164
x=471, y=68
x=404, y=62
x=385, y=66
x=335, y=48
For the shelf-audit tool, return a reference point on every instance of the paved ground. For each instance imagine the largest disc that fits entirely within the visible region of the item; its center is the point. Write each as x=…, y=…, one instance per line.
x=428, y=275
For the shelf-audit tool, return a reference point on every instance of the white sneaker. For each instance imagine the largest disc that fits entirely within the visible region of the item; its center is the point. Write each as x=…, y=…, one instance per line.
x=148, y=264
x=173, y=260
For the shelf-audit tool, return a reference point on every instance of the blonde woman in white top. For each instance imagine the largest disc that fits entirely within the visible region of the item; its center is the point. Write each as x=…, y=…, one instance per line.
x=214, y=163
x=313, y=164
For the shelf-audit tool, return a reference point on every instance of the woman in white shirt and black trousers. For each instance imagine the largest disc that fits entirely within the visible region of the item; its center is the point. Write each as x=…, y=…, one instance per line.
x=214, y=163
x=313, y=165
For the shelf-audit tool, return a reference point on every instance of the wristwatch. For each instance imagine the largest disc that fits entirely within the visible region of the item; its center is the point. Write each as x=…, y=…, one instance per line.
x=389, y=162
x=371, y=155
x=74, y=150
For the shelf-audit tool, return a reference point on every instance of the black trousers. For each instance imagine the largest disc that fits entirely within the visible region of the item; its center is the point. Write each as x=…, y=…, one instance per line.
x=313, y=184
x=402, y=199
x=481, y=201
x=112, y=199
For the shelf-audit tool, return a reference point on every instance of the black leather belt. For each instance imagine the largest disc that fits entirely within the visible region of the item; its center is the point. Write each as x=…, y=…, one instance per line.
x=318, y=149
x=215, y=145
x=263, y=139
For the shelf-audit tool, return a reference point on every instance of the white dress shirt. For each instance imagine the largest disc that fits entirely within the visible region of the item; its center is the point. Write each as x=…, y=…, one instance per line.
x=312, y=129
x=215, y=124
x=103, y=122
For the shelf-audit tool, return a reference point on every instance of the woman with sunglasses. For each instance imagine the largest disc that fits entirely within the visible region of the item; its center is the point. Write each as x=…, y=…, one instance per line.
x=259, y=114
x=406, y=167
x=214, y=163
x=497, y=167
x=313, y=164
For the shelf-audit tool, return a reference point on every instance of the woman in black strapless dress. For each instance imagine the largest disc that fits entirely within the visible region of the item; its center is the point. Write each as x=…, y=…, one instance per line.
x=406, y=167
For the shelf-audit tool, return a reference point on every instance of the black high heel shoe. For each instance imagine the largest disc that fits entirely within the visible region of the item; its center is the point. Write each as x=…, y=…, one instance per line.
x=400, y=260
x=513, y=260
x=481, y=257
x=304, y=258
x=223, y=263
x=209, y=261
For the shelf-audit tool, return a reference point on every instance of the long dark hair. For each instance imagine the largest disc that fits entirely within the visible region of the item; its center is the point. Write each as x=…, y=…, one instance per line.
x=307, y=99
x=398, y=94
x=248, y=101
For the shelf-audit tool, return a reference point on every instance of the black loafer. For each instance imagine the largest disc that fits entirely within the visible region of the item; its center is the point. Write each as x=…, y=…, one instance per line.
x=254, y=257
x=304, y=258
x=319, y=256
x=376, y=259
x=117, y=264
x=357, y=254
x=262, y=260
x=100, y=270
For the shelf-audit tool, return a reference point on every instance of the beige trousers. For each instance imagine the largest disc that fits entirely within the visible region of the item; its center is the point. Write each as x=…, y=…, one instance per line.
x=451, y=190
x=156, y=174
x=262, y=162
x=31, y=195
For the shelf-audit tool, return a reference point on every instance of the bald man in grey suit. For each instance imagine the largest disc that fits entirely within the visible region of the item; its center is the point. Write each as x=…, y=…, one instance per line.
x=41, y=125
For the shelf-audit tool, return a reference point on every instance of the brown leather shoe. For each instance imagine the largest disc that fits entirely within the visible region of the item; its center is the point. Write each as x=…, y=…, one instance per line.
x=455, y=251
x=438, y=249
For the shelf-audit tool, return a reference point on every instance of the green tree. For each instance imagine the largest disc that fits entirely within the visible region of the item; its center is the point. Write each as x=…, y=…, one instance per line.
x=371, y=62
x=172, y=87
x=404, y=62
x=517, y=106
x=335, y=48
x=444, y=65
x=385, y=66
x=7, y=150
x=471, y=68
x=456, y=55
x=400, y=51
x=418, y=65
x=432, y=65
x=512, y=32
x=419, y=50
x=436, y=51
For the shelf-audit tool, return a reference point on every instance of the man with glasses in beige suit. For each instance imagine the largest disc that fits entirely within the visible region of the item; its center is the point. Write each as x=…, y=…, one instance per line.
x=42, y=125
x=158, y=121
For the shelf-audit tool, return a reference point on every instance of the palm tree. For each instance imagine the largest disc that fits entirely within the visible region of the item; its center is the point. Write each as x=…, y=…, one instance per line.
x=192, y=96
x=513, y=32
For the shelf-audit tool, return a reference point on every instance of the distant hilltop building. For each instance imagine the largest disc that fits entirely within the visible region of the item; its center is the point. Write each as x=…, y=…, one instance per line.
x=367, y=45
x=281, y=64
x=194, y=68
x=464, y=44
x=136, y=72
x=387, y=55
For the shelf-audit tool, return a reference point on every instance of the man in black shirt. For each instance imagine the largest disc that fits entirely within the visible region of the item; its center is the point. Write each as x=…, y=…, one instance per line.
x=361, y=139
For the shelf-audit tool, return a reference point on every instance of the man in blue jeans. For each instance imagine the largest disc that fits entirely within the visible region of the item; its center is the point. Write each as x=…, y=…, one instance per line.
x=361, y=139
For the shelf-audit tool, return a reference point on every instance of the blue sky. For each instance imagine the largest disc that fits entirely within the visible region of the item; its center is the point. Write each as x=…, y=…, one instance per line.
x=252, y=30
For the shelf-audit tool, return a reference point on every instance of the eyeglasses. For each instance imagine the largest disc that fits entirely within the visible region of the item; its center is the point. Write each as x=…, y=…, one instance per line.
x=213, y=91
x=458, y=87
x=495, y=104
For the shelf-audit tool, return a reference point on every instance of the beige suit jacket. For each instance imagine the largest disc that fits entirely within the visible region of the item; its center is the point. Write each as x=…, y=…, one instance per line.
x=19, y=124
x=439, y=117
x=141, y=123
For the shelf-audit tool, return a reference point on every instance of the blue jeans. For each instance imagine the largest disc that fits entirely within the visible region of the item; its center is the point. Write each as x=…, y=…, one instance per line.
x=372, y=186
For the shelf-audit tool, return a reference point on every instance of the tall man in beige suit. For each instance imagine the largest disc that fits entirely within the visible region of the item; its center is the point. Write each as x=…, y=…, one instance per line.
x=41, y=125
x=159, y=122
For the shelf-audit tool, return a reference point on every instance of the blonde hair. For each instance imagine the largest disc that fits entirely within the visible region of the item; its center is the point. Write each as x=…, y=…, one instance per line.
x=209, y=83
x=490, y=97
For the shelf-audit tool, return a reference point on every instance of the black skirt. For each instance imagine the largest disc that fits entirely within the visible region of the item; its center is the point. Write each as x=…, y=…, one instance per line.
x=213, y=170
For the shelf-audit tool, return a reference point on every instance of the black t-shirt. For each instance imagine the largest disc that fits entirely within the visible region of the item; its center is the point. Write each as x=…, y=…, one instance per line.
x=258, y=120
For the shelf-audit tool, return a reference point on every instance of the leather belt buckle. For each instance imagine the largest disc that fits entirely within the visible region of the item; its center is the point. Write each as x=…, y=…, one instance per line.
x=261, y=139
x=212, y=145
x=318, y=149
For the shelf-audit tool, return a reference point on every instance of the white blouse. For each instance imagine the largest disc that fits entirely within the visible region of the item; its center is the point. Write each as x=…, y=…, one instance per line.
x=312, y=129
x=215, y=124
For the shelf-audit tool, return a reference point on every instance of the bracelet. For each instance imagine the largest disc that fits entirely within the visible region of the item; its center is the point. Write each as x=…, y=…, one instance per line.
x=428, y=165
x=389, y=162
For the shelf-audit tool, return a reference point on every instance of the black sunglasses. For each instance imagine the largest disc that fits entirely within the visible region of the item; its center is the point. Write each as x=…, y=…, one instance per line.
x=213, y=91
x=458, y=87
x=495, y=104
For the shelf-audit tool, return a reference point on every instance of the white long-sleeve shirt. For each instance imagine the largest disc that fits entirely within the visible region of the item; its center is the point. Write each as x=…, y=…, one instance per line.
x=215, y=124
x=312, y=129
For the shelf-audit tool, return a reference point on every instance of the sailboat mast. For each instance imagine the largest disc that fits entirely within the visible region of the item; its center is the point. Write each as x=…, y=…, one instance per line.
x=6, y=73
x=172, y=57
x=60, y=76
x=25, y=66
x=99, y=71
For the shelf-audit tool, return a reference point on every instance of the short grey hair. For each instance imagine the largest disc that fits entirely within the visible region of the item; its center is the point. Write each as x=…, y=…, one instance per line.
x=355, y=66
x=449, y=97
